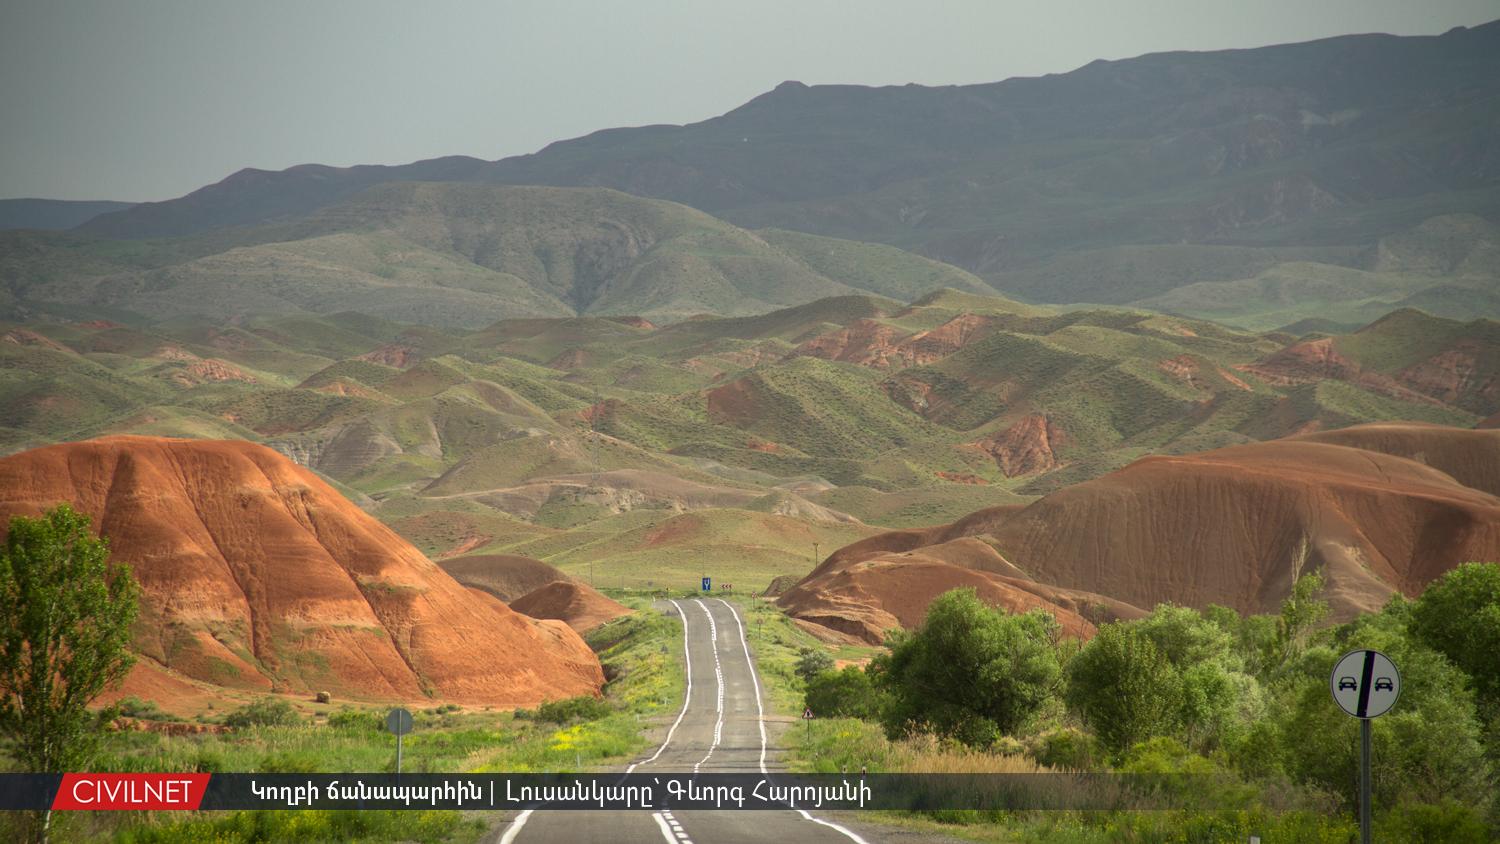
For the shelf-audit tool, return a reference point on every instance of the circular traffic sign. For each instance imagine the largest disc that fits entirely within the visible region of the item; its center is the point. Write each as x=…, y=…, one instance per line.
x=398, y=721
x=1365, y=683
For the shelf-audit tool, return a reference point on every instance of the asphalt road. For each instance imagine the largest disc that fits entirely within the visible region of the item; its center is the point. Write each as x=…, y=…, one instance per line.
x=721, y=728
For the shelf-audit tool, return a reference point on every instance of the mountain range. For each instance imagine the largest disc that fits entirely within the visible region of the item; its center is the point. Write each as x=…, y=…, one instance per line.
x=1259, y=186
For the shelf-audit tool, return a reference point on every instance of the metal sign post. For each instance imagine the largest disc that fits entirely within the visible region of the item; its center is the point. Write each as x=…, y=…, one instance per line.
x=807, y=716
x=1365, y=684
x=399, y=722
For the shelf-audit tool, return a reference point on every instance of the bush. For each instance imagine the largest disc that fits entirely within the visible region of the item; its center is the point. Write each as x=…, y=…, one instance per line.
x=811, y=662
x=583, y=708
x=134, y=707
x=970, y=672
x=355, y=719
x=1068, y=749
x=266, y=712
x=1448, y=822
x=849, y=693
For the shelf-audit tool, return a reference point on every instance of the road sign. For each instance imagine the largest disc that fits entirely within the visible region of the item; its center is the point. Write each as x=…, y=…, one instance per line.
x=1365, y=683
x=807, y=713
x=708, y=583
x=398, y=721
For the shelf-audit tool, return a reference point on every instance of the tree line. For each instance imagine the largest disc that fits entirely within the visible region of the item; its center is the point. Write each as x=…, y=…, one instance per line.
x=1183, y=690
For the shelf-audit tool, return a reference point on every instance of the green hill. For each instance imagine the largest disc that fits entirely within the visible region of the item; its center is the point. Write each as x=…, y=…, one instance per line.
x=462, y=255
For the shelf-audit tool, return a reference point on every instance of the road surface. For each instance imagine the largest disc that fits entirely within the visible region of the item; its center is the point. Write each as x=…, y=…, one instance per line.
x=720, y=728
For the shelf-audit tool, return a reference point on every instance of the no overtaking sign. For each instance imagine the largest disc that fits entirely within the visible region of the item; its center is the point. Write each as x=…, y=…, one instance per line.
x=1365, y=683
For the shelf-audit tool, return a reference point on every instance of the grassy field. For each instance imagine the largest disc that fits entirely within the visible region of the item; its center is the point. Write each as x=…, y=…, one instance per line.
x=638, y=651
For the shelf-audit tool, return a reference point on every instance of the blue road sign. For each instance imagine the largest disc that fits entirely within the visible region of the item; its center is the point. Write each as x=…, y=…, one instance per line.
x=708, y=583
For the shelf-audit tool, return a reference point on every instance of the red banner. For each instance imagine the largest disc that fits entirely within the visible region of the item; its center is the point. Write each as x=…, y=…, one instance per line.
x=130, y=791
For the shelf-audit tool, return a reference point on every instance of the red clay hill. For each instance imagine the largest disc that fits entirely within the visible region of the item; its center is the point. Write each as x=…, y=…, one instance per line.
x=536, y=589
x=256, y=575
x=1372, y=507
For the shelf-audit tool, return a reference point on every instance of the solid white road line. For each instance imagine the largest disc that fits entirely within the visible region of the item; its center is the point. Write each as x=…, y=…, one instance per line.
x=687, y=697
x=515, y=827
x=761, y=717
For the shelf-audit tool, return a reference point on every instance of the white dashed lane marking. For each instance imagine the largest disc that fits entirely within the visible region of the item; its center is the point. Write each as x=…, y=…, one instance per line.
x=713, y=633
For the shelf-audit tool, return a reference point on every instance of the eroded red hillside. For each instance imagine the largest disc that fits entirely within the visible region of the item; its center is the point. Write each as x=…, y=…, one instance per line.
x=257, y=575
x=1377, y=508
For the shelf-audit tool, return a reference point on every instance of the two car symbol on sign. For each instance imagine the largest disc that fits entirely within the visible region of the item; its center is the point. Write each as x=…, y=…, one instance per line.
x=1365, y=683
x=1382, y=684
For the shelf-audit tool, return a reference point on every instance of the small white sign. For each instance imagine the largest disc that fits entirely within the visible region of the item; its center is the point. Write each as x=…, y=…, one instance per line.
x=1365, y=683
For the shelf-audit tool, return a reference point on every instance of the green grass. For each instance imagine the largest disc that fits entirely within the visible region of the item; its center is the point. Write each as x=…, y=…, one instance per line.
x=641, y=549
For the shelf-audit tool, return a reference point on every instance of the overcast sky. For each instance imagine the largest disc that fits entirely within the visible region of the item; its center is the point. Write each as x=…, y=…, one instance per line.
x=147, y=99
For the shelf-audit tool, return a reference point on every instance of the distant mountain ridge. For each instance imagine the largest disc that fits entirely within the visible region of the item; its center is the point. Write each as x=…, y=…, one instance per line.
x=53, y=214
x=1119, y=182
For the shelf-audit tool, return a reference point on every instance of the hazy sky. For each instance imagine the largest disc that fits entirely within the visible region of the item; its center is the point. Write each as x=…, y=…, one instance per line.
x=147, y=99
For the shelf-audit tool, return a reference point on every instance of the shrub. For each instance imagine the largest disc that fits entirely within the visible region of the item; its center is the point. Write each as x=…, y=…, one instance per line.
x=1068, y=749
x=582, y=708
x=1449, y=822
x=266, y=712
x=355, y=719
x=134, y=707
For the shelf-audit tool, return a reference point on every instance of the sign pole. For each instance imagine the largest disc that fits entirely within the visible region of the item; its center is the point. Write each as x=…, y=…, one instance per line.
x=399, y=722
x=1365, y=684
x=1364, y=781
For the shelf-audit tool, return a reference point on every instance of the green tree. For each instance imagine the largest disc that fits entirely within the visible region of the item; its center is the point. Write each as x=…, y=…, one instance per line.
x=1459, y=617
x=65, y=617
x=849, y=693
x=811, y=662
x=1218, y=699
x=1427, y=748
x=1301, y=612
x=970, y=671
x=1124, y=687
